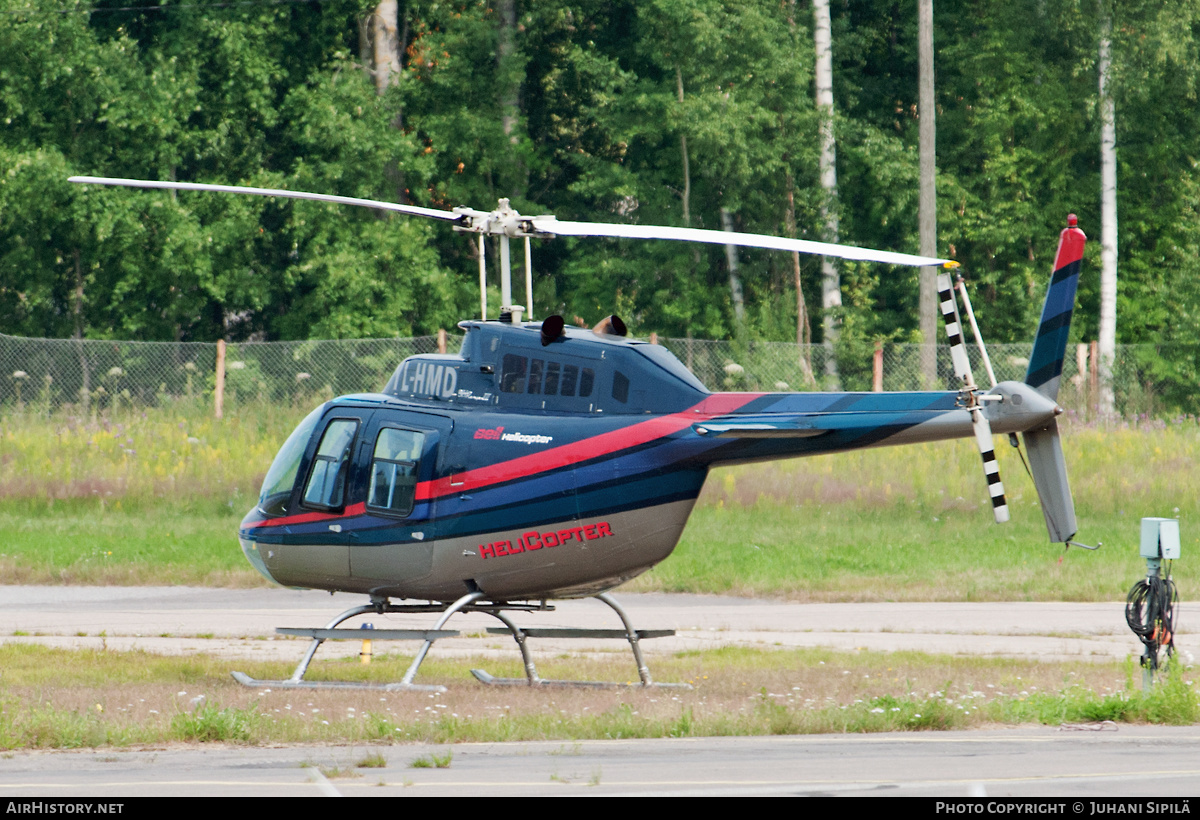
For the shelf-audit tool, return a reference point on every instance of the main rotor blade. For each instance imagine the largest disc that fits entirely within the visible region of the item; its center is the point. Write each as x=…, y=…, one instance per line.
x=958, y=352
x=749, y=240
x=415, y=210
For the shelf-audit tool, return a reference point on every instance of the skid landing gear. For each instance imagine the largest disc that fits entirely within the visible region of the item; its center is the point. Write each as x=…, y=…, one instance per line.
x=634, y=636
x=471, y=602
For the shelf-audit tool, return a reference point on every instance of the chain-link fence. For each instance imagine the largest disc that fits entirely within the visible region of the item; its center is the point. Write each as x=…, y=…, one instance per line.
x=53, y=374
x=56, y=374
x=1147, y=379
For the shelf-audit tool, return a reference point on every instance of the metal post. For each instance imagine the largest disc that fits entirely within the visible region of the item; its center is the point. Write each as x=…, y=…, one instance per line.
x=219, y=393
x=1150, y=654
x=482, y=279
x=528, y=281
x=505, y=273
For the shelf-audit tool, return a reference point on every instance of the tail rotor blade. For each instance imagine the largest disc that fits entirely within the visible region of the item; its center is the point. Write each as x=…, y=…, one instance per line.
x=983, y=437
x=962, y=369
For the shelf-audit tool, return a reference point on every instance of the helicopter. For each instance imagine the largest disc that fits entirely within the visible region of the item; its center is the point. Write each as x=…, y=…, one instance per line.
x=546, y=462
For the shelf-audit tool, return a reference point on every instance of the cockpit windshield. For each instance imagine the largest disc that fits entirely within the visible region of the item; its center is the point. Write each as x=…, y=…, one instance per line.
x=277, y=486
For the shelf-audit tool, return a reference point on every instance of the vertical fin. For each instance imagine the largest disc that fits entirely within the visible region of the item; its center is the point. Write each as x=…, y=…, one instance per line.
x=1050, y=345
x=1043, y=445
x=1050, y=478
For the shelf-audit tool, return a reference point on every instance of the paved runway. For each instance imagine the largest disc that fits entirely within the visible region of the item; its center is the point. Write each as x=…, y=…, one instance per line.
x=233, y=623
x=1131, y=761
x=1162, y=763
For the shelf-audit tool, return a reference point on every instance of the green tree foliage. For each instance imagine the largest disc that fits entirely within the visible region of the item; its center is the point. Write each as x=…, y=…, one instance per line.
x=277, y=95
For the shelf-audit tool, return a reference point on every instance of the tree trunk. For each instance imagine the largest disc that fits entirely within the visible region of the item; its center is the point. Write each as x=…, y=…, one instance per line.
x=509, y=82
x=1108, y=217
x=803, y=328
x=735, y=283
x=928, y=308
x=831, y=290
x=683, y=149
x=385, y=47
x=385, y=31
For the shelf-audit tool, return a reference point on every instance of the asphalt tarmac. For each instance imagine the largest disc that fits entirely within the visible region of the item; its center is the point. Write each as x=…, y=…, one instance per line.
x=1160, y=763
x=234, y=623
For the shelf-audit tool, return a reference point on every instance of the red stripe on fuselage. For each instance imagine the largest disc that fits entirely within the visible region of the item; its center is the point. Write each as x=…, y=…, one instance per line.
x=305, y=518
x=718, y=404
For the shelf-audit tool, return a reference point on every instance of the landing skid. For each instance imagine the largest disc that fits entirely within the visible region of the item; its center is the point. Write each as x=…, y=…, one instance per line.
x=468, y=603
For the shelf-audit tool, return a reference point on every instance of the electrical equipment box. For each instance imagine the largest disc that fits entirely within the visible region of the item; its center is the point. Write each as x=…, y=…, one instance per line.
x=1160, y=538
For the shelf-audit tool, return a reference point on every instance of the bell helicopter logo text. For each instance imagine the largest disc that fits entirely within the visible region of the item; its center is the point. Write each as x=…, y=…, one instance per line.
x=531, y=541
x=498, y=434
x=439, y=381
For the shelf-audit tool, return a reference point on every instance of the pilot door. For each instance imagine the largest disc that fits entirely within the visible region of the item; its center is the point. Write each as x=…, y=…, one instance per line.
x=314, y=551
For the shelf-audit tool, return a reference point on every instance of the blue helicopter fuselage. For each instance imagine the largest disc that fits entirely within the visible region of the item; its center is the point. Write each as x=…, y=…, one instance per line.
x=530, y=470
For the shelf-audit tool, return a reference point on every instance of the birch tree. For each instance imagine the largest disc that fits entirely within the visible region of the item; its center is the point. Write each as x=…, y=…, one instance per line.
x=1108, y=215
x=831, y=292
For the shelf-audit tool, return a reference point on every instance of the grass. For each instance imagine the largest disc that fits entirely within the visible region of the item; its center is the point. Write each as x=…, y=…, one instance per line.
x=65, y=699
x=433, y=761
x=132, y=499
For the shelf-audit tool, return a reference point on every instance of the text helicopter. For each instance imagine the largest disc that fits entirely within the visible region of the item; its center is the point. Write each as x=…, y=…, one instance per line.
x=546, y=462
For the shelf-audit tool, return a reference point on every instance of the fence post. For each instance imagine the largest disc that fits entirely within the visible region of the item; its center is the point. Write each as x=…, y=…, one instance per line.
x=219, y=393
x=441, y=340
x=877, y=381
x=653, y=338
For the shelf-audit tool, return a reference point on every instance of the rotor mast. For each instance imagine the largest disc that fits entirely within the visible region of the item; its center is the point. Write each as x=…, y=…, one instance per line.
x=506, y=224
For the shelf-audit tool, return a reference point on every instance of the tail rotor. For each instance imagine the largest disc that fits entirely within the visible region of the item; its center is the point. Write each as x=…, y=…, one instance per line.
x=968, y=391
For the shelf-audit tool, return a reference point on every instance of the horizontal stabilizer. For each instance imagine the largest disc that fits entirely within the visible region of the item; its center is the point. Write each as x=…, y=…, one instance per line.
x=1050, y=478
x=784, y=426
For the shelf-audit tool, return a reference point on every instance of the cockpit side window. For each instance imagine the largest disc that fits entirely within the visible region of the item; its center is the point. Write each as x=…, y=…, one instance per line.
x=326, y=487
x=512, y=374
x=394, y=470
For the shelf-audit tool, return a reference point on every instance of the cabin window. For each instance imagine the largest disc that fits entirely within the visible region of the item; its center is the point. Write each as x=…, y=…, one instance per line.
x=553, y=369
x=512, y=379
x=327, y=480
x=394, y=470
x=545, y=378
x=620, y=390
x=570, y=379
x=535, y=375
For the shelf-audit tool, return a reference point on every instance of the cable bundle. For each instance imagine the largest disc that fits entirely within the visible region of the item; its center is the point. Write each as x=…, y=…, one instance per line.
x=1150, y=612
